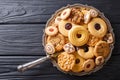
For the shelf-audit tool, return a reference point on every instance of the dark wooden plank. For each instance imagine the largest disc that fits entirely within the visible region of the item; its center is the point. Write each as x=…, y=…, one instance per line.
x=26, y=39
x=46, y=70
x=17, y=11
x=21, y=39
x=59, y=77
x=8, y=66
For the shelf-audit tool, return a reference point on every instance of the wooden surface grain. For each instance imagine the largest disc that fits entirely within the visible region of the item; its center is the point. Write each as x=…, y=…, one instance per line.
x=21, y=28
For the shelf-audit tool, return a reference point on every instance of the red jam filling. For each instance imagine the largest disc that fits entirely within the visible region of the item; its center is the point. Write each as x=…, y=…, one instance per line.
x=97, y=26
x=68, y=26
x=51, y=29
x=64, y=13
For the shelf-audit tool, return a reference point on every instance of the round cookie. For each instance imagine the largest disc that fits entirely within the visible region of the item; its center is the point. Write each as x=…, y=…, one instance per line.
x=65, y=14
x=78, y=63
x=78, y=35
x=58, y=41
x=57, y=20
x=64, y=27
x=88, y=65
x=49, y=48
x=86, y=54
x=99, y=60
x=66, y=61
x=92, y=41
x=102, y=49
x=51, y=31
x=97, y=27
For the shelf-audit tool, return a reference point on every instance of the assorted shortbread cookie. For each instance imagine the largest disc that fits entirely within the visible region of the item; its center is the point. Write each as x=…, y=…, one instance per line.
x=82, y=38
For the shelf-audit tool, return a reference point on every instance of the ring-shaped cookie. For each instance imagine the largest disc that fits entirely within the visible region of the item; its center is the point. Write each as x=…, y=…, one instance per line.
x=65, y=14
x=86, y=54
x=99, y=60
x=88, y=65
x=51, y=31
x=97, y=27
x=78, y=63
x=78, y=35
x=64, y=27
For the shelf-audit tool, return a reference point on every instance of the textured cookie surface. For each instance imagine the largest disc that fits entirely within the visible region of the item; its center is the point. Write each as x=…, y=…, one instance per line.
x=66, y=61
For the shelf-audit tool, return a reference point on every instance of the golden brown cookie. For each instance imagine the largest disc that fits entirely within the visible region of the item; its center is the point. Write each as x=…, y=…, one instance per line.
x=97, y=27
x=78, y=35
x=88, y=65
x=76, y=16
x=86, y=54
x=64, y=27
x=93, y=40
x=102, y=49
x=99, y=60
x=58, y=41
x=78, y=67
x=66, y=61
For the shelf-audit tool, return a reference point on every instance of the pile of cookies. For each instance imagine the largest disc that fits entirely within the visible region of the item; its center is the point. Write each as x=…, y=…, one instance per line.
x=80, y=38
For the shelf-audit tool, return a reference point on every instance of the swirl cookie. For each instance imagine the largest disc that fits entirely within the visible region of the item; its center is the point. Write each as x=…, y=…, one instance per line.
x=64, y=27
x=78, y=35
x=97, y=27
x=86, y=53
x=78, y=67
x=99, y=60
x=102, y=48
x=66, y=61
x=88, y=65
x=93, y=13
x=49, y=48
x=58, y=41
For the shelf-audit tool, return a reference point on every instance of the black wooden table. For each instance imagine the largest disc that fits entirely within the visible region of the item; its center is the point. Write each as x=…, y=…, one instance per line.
x=21, y=28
